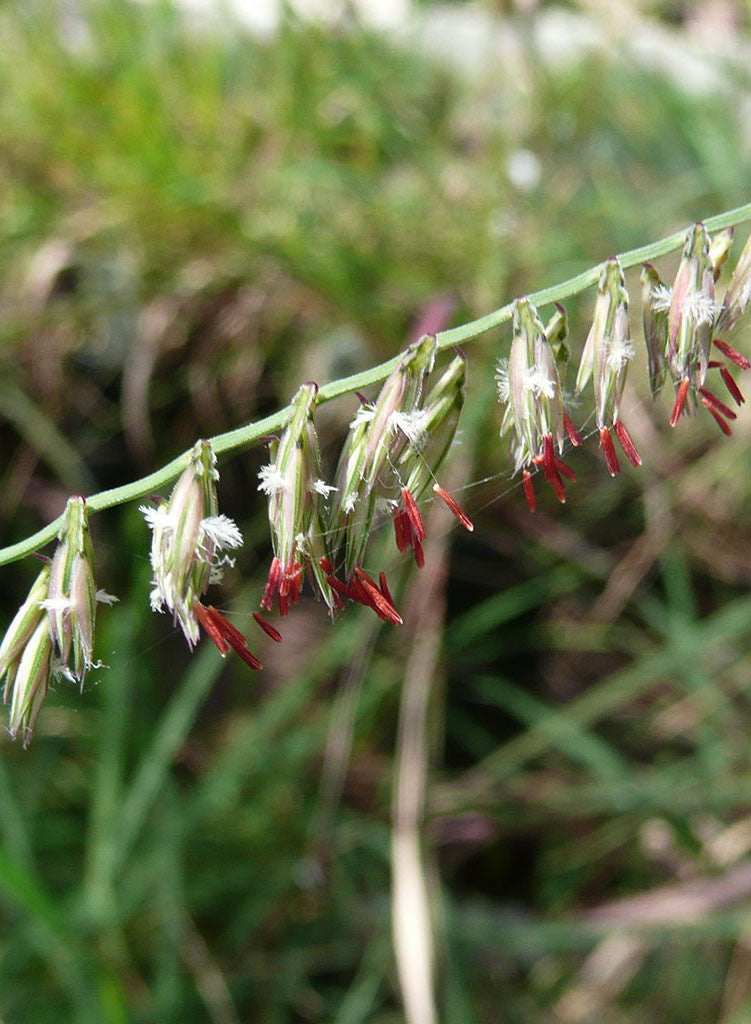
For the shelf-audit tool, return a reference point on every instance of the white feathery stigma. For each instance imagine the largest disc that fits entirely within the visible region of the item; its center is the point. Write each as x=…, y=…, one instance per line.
x=503, y=384
x=538, y=382
x=271, y=480
x=620, y=352
x=702, y=309
x=662, y=297
x=221, y=531
x=322, y=488
x=412, y=425
x=363, y=415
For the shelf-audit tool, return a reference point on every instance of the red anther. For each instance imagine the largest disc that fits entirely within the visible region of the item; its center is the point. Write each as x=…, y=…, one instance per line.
x=733, y=356
x=732, y=387
x=283, y=604
x=608, y=448
x=211, y=628
x=326, y=565
x=720, y=421
x=385, y=588
x=339, y=587
x=222, y=632
x=295, y=581
x=361, y=595
x=548, y=458
x=376, y=599
x=680, y=401
x=250, y=659
x=628, y=446
x=455, y=507
x=402, y=529
x=573, y=434
x=413, y=512
x=718, y=405
x=565, y=470
x=272, y=584
x=230, y=633
x=364, y=400
x=419, y=555
x=559, y=488
x=267, y=627
x=713, y=364
x=529, y=491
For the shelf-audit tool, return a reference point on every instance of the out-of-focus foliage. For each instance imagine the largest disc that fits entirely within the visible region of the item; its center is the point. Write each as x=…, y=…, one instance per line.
x=192, y=223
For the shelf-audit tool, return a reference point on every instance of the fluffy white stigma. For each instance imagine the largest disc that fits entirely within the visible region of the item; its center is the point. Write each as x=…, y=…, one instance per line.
x=322, y=488
x=662, y=296
x=412, y=425
x=271, y=480
x=363, y=415
x=702, y=309
x=156, y=518
x=620, y=353
x=538, y=382
x=221, y=531
x=502, y=382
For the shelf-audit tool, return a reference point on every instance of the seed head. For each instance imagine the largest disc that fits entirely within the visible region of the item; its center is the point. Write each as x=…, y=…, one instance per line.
x=738, y=295
x=608, y=349
x=27, y=684
x=72, y=597
x=379, y=435
x=52, y=633
x=532, y=391
x=296, y=493
x=692, y=310
x=655, y=322
x=188, y=538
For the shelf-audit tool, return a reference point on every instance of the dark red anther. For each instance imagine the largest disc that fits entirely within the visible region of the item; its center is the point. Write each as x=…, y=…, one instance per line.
x=454, y=506
x=339, y=587
x=732, y=387
x=559, y=488
x=294, y=569
x=385, y=588
x=628, y=446
x=419, y=554
x=733, y=356
x=565, y=470
x=529, y=491
x=326, y=565
x=267, y=627
x=724, y=427
x=211, y=628
x=375, y=598
x=717, y=404
x=230, y=633
x=272, y=584
x=548, y=458
x=680, y=401
x=608, y=449
x=223, y=633
x=573, y=434
x=361, y=595
x=413, y=513
x=402, y=529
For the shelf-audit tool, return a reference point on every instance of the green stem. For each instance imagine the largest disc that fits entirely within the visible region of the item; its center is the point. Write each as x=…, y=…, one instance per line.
x=247, y=436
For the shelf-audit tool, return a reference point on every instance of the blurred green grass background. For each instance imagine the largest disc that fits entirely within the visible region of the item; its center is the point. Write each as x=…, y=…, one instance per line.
x=194, y=221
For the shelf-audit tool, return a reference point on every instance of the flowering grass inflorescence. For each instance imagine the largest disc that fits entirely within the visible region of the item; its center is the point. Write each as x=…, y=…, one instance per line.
x=52, y=634
x=395, y=447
